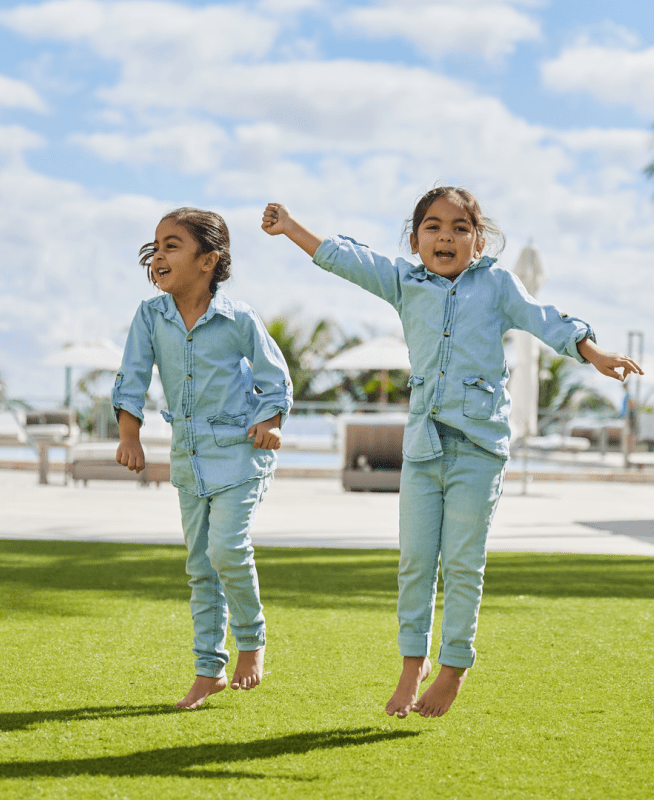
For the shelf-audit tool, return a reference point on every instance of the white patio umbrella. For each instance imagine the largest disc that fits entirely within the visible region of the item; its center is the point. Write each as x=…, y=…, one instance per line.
x=101, y=354
x=381, y=354
x=524, y=377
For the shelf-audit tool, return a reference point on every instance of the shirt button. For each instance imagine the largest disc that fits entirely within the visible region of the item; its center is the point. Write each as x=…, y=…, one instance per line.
x=434, y=411
x=189, y=377
x=189, y=338
x=453, y=291
x=446, y=333
x=191, y=452
x=187, y=417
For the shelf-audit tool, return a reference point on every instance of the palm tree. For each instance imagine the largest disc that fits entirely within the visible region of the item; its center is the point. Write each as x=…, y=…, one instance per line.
x=559, y=390
x=306, y=350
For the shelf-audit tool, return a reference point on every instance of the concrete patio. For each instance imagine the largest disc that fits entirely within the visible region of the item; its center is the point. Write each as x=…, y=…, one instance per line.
x=555, y=516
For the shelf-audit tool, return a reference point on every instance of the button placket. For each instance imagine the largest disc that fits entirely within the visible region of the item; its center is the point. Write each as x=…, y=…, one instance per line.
x=446, y=350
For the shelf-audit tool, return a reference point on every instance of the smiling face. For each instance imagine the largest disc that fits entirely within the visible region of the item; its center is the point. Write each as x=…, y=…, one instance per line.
x=177, y=266
x=447, y=241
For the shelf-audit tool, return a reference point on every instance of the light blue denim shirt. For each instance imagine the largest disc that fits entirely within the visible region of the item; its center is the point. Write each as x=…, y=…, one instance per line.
x=209, y=388
x=454, y=333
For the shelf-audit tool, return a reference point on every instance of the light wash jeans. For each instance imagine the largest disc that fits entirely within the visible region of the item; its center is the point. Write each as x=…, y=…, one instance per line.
x=446, y=508
x=223, y=574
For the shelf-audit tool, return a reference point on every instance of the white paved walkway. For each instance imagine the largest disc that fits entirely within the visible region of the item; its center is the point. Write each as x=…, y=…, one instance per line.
x=560, y=516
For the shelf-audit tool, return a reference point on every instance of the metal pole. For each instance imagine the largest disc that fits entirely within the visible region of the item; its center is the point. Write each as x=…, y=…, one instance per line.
x=68, y=395
x=632, y=402
x=524, y=447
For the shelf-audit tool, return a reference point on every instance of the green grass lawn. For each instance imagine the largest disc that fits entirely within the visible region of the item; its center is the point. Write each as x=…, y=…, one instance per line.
x=96, y=648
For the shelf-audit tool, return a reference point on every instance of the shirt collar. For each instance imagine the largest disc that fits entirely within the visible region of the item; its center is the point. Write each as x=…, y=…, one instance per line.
x=220, y=304
x=421, y=273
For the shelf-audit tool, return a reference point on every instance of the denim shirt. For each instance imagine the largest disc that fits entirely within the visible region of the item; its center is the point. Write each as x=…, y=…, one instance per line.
x=454, y=332
x=209, y=388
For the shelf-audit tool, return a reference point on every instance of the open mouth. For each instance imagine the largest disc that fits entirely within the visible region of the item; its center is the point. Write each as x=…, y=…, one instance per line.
x=444, y=254
x=161, y=273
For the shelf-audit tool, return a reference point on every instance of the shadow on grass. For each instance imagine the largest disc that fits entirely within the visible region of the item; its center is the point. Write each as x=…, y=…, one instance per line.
x=184, y=761
x=34, y=572
x=22, y=720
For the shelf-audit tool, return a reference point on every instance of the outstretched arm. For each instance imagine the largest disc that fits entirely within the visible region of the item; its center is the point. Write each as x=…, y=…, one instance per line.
x=276, y=220
x=607, y=363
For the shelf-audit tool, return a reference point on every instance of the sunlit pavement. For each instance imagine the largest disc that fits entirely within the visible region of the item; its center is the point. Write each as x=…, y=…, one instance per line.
x=556, y=516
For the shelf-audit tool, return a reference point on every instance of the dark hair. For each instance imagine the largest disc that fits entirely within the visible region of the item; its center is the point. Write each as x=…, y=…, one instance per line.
x=483, y=225
x=209, y=231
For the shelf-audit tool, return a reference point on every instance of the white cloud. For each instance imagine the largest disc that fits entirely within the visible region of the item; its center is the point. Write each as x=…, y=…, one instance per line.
x=486, y=29
x=150, y=33
x=17, y=94
x=14, y=141
x=624, y=145
x=610, y=73
x=190, y=148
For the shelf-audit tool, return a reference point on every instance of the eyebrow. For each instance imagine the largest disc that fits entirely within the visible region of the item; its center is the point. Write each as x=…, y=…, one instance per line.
x=438, y=219
x=166, y=238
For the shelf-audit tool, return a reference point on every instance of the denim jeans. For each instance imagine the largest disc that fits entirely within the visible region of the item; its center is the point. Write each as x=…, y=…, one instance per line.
x=223, y=574
x=446, y=509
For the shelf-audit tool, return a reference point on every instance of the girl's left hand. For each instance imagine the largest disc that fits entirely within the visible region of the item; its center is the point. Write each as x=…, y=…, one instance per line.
x=608, y=363
x=267, y=435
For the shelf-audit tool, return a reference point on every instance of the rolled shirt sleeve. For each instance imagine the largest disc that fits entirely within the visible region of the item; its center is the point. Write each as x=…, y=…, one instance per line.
x=135, y=374
x=269, y=369
x=546, y=322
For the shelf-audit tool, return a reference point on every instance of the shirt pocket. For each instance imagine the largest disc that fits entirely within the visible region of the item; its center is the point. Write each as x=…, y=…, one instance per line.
x=229, y=430
x=478, y=398
x=417, y=399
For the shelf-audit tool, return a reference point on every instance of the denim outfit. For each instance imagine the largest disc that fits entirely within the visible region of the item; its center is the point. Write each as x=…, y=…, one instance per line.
x=208, y=376
x=456, y=441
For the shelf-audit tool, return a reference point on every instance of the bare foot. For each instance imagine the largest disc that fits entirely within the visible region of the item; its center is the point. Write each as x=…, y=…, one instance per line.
x=414, y=672
x=438, y=698
x=249, y=669
x=201, y=689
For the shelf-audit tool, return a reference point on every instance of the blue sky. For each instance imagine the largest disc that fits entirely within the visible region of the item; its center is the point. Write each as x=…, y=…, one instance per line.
x=112, y=112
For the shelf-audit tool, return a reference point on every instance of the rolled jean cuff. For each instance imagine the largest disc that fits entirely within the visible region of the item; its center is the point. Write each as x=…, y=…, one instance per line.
x=210, y=672
x=461, y=657
x=414, y=644
x=248, y=643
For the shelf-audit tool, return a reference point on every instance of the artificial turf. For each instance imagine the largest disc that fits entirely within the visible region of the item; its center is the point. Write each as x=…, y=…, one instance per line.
x=96, y=637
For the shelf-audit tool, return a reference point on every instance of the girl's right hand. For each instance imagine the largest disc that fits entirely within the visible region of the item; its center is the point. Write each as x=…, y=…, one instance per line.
x=130, y=454
x=274, y=219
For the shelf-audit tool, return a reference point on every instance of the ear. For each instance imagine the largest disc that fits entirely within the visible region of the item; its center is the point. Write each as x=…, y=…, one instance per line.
x=479, y=247
x=210, y=261
x=413, y=241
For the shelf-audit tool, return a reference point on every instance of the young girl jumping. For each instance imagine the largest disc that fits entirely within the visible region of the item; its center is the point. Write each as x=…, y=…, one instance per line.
x=455, y=307
x=210, y=352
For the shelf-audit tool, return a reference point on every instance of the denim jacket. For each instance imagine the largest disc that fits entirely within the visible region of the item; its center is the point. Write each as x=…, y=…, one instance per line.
x=454, y=332
x=209, y=388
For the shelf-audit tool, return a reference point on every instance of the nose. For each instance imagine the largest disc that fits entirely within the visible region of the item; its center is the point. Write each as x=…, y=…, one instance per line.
x=445, y=235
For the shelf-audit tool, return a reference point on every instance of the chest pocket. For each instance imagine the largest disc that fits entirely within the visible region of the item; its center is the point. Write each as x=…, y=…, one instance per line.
x=417, y=399
x=478, y=398
x=229, y=430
